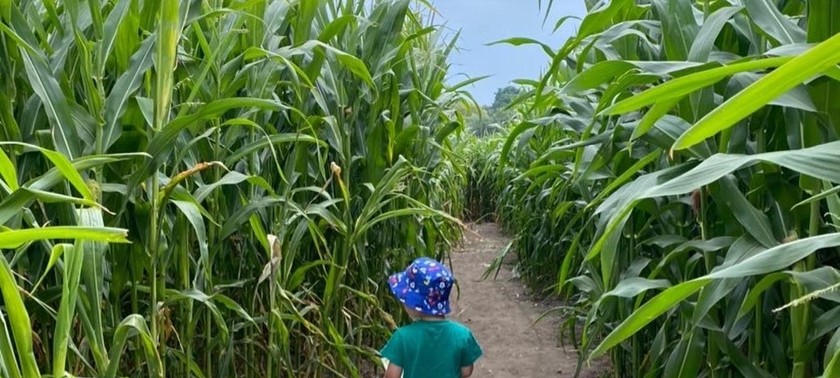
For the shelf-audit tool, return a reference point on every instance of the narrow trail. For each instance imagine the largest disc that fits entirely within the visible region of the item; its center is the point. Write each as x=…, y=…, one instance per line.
x=501, y=314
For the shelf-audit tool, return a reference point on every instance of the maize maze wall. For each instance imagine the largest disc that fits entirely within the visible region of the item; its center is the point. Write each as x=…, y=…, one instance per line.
x=674, y=176
x=216, y=188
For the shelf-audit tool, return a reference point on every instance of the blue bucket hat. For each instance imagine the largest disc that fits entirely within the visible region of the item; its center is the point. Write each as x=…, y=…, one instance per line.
x=424, y=286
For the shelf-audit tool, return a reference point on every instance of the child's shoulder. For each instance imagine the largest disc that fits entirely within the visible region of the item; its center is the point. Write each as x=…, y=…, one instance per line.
x=449, y=323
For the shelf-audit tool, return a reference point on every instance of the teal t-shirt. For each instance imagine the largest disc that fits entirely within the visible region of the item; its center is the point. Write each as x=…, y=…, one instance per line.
x=432, y=349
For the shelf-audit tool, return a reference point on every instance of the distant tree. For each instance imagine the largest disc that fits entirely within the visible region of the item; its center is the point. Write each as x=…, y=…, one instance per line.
x=489, y=122
x=505, y=96
x=494, y=118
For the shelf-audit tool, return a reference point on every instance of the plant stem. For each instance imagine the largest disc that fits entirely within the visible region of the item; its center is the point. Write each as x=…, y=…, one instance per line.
x=154, y=235
x=709, y=260
x=185, y=284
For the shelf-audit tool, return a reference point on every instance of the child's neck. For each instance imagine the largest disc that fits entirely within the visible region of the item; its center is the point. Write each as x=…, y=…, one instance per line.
x=430, y=318
x=417, y=315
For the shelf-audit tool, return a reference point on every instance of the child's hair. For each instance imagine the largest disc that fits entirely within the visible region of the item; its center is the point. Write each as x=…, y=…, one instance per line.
x=424, y=287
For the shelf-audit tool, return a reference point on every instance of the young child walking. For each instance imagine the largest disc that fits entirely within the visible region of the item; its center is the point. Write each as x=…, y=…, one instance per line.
x=431, y=346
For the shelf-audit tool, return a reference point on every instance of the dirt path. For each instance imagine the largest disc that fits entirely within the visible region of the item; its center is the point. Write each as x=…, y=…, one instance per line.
x=501, y=314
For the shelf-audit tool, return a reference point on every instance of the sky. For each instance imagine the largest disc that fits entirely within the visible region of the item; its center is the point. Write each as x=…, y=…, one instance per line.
x=484, y=21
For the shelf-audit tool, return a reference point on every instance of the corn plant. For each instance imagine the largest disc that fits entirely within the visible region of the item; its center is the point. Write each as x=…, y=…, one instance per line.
x=676, y=179
x=270, y=162
x=480, y=155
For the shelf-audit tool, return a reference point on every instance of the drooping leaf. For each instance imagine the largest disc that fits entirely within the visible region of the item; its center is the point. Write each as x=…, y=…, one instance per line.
x=652, y=309
x=64, y=166
x=684, y=85
x=775, y=24
x=770, y=260
x=520, y=41
x=787, y=76
x=15, y=238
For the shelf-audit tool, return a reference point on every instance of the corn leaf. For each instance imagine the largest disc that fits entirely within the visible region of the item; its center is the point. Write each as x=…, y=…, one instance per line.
x=787, y=76
x=15, y=238
x=773, y=23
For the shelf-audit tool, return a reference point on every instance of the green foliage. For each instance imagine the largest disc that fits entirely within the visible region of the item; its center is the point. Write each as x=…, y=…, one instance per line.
x=493, y=119
x=504, y=97
x=490, y=120
x=269, y=161
x=675, y=177
x=480, y=155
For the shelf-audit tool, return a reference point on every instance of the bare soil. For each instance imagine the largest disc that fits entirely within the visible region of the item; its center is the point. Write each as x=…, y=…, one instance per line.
x=502, y=315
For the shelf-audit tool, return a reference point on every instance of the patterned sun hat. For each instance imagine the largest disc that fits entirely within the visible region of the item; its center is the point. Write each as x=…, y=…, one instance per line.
x=424, y=286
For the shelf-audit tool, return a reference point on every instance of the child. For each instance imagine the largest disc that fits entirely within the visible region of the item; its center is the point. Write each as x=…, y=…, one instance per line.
x=431, y=346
